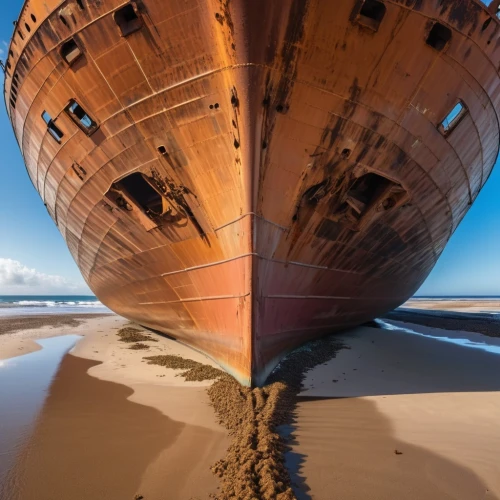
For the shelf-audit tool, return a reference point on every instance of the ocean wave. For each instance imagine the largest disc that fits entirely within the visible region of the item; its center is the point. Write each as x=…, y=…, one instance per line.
x=53, y=303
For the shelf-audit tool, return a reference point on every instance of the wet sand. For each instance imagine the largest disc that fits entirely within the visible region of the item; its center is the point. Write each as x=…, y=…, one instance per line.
x=399, y=416
x=24, y=382
x=18, y=334
x=113, y=427
x=89, y=441
x=483, y=323
x=10, y=324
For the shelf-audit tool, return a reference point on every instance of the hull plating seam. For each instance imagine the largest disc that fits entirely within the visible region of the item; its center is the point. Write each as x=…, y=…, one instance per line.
x=315, y=131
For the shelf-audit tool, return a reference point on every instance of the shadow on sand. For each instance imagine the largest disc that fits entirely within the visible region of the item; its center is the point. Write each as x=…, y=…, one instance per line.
x=344, y=446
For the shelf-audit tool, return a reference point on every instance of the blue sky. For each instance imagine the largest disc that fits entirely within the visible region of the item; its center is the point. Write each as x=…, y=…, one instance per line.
x=34, y=258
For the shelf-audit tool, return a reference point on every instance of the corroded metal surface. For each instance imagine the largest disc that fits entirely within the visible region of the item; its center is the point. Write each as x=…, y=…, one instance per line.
x=302, y=176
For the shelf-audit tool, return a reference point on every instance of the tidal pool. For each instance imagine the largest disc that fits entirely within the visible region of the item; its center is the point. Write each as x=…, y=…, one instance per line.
x=24, y=384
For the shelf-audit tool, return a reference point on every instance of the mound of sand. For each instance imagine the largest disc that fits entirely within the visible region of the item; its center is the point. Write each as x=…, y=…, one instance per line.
x=254, y=467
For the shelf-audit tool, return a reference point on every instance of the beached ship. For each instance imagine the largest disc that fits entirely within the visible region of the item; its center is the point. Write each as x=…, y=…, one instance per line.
x=246, y=175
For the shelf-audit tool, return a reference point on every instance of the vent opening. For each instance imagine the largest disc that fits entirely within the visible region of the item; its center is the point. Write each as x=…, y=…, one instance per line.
x=127, y=19
x=53, y=129
x=162, y=150
x=453, y=118
x=33, y=18
x=371, y=14
x=70, y=51
x=366, y=196
x=439, y=36
x=27, y=26
x=142, y=192
x=364, y=192
x=80, y=117
x=80, y=4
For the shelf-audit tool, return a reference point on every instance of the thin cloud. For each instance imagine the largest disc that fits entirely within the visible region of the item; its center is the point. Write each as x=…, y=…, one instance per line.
x=16, y=278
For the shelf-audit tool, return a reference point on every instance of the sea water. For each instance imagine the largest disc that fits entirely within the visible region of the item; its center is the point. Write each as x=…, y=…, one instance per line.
x=20, y=305
x=474, y=340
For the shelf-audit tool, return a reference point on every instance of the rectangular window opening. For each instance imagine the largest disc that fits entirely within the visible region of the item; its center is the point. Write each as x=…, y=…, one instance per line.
x=371, y=14
x=127, y=19
x=439, y=36
x=70, y=51
x=452, y=118
x=80, y=117
x=52, y=128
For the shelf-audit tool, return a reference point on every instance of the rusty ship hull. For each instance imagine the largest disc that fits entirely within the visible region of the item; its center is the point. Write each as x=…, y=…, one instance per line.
x=245, y=176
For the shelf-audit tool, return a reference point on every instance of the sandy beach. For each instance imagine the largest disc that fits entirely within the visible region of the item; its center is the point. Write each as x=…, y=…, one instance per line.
x=18, y=334
x=113, y=426
x=486, y=305
x=407, y=413
x=400, y=416
x=484, y=323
